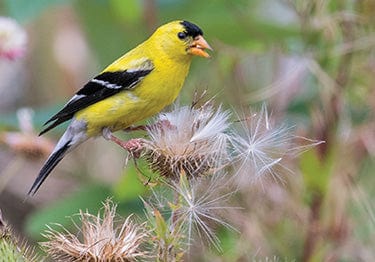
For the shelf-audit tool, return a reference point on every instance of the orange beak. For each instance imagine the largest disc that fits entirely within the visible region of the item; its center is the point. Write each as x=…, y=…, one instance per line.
x=199, y=46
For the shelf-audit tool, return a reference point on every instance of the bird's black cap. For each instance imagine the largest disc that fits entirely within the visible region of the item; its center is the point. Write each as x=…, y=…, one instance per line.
x=192, y=29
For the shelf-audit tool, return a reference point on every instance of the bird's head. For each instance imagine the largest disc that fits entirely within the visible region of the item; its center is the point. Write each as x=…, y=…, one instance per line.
x=181, y=39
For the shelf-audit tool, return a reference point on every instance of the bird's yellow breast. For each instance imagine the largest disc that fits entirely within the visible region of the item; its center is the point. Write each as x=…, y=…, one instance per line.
x=157, y=90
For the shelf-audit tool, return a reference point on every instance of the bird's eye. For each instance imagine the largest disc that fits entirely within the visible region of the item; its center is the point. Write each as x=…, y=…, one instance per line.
x=182, y=35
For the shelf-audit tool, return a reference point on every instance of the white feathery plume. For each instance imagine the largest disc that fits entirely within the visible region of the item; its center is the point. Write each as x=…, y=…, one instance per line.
x=203, y=204
x=260, y=146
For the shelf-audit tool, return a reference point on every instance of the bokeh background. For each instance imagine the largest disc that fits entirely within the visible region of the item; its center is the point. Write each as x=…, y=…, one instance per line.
x=311, y=62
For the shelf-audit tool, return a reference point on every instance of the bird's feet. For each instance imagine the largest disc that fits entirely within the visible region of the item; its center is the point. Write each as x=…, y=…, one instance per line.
x=133, y=146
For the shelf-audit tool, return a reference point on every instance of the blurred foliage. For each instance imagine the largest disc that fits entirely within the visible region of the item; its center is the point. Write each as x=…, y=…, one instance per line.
x=24, y=10
x=316, y=172
x=86, y=199
x=129, y=185
x=313, y=62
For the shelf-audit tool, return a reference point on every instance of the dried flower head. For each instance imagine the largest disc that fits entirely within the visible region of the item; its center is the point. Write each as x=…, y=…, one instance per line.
x=12, y=39
x=260, y=146
x=188, y=139
x=101, y=241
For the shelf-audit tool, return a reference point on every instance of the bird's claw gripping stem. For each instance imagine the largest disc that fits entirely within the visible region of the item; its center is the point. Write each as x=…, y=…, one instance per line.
x=133, y=146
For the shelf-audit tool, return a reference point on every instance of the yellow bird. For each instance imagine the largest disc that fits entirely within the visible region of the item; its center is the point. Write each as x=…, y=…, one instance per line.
x=136, y=86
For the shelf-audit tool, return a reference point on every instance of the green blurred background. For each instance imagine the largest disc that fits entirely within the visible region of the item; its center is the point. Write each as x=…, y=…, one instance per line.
x=312, y=62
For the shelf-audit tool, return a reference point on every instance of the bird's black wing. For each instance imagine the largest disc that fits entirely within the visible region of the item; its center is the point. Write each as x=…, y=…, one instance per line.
x=100, y=87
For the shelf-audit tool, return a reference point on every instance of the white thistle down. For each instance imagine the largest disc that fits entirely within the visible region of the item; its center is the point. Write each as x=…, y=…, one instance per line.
x=260, y=146
x=203, y=204
x=188, y=139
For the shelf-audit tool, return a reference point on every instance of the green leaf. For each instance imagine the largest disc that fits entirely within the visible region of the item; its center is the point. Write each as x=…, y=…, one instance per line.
x=161, y=228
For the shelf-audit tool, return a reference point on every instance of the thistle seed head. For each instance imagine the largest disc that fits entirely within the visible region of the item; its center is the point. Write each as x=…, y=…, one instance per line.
x=100, y=240
x=190, y=140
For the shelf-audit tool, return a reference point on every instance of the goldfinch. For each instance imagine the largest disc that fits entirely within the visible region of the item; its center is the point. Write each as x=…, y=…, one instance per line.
x=136, y=86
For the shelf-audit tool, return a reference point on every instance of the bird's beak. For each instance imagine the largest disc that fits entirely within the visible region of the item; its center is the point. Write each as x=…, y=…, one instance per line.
x=199, y=46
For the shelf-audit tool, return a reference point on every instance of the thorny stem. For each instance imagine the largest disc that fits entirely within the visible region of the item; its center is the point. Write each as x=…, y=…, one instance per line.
x=336, y=103
x=169, y=251
x=174, y=222
x=174, y=215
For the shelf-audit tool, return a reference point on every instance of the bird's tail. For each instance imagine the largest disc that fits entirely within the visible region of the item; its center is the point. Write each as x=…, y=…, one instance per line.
x=49, y=165
x=73, y=136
